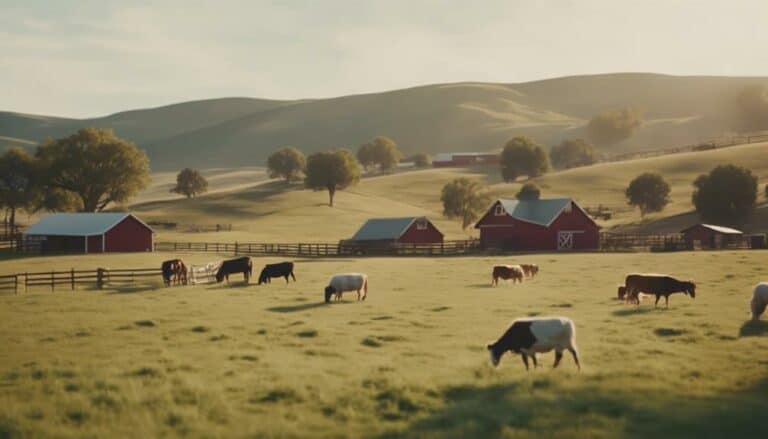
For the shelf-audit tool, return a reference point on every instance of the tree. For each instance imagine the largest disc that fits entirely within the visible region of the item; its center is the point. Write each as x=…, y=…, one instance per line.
x=97, y=166
x=18, y=182
x=613, y=126
x=421, y=160
x=365, y=155
x=529, y=191
x=752, y=105
x=331, y=171
x=766, y=191
x=572, y=153
x=190, y=183
x=522, y=156
x=726, y=195
x=465, y=199
x=381, y=151
x=649, y=192
x=287, y=163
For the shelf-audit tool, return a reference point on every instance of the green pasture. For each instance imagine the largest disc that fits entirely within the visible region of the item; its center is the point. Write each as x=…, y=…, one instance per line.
x=275, y=361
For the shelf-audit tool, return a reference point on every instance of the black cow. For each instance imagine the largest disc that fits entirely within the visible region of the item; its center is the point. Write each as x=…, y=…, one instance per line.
x=657, y=285
x=238, y=265
x=283, y=269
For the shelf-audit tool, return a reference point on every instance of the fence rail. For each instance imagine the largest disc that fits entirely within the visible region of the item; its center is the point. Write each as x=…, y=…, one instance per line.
x=70, y=279
x=721, y=142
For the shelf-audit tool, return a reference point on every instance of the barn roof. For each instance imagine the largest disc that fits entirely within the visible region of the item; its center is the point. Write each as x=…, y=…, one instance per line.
x=384, y=228
x=719, y=229
x=542, y=212
x=78, y=224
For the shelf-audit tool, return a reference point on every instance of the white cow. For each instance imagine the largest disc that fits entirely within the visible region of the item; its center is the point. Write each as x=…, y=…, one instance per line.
x=759, y=300
x=530, y=336
x=340, y=283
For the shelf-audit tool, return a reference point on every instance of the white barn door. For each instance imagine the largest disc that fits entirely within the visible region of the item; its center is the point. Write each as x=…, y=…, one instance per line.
x=564, y=240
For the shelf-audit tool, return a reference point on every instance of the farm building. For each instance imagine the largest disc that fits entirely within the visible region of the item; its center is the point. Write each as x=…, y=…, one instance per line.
x=408, y=230
x=710, y=236
x=554, y=224
x=90, y=233
x=453, y=159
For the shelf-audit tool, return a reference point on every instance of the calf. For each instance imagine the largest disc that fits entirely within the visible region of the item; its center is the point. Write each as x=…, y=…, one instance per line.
x=283, y=269
x=347, y=282
x=657, y=285
x=530, y=270
x=759, y=300
x=514, y=272
x=530, y=336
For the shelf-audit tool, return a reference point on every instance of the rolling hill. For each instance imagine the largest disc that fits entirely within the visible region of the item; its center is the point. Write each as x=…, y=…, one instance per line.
x=433, y=118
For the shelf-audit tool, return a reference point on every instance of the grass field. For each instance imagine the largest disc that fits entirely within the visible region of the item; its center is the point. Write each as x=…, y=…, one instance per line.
x=275, y=361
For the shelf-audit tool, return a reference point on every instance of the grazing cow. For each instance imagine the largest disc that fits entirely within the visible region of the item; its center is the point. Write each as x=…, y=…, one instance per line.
x=174, y=272
x=530, y=270
x=514, y=272
x=530, y=336
x=340, y=283
x=657, y=285
x=759, y=300
x=622, y=293
x=238, y=265
x=283, y=269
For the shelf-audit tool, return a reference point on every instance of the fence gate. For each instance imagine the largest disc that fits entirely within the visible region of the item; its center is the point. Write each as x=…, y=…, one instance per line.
x=564, y=240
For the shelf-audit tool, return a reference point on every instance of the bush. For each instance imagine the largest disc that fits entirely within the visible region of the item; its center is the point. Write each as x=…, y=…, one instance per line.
x=572, y=153
x=613, y=126
x=529, y=191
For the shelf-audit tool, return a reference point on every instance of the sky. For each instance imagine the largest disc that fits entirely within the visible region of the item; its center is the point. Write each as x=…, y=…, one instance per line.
x=86, y=58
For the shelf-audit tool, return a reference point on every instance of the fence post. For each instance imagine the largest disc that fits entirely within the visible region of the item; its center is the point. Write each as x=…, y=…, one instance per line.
x=100, y=278
x=52, y=282
x=16, y=284
x=235, y=248
x=73, y=279
x=26, y=280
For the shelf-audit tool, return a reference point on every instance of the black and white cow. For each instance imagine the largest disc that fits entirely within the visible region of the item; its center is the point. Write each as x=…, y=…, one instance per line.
x=530, y=336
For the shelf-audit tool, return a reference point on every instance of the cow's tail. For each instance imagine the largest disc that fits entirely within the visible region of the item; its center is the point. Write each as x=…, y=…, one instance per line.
x=365, y=288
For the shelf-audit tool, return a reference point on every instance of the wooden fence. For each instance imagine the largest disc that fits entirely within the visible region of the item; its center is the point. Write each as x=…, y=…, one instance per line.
x=70, y=279
x=190, y=228
x=722, y=142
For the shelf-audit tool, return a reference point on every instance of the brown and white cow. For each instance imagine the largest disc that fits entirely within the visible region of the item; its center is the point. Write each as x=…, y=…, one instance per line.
x=506, y=272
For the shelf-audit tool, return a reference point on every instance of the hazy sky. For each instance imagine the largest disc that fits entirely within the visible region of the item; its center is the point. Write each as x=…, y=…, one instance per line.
x=90, y=58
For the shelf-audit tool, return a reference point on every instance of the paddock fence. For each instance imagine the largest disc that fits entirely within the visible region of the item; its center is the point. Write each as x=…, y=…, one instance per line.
x=71, y=279
x=705, y=145
x=190, y=228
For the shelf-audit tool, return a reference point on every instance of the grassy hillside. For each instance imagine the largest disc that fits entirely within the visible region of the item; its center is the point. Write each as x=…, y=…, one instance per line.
x=276, y=212
x=410, y=361
x=433, y=118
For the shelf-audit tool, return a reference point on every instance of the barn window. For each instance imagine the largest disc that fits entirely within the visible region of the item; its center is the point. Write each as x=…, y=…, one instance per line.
x=569, y=208
x=421, y=225
x=499, y=211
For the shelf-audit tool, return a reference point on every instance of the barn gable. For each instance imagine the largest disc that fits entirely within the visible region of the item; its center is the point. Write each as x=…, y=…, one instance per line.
x=541, y=212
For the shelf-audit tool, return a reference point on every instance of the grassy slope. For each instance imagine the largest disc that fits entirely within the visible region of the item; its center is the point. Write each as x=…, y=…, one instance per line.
x=274, y=212
x=275, y=361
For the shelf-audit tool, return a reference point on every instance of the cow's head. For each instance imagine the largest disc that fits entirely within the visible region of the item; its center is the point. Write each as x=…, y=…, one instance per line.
x=219, y=277
x=329, y=291
x=495, y=353
x=263, y=276
x=690, y=289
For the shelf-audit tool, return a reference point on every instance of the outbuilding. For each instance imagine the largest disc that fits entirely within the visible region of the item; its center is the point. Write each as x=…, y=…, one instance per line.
x=406, y=230
x=557, y=224
x=463, y=159
x=90, y=233
x=711, y=236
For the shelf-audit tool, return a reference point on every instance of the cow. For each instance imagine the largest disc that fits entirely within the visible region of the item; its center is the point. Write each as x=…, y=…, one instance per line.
x=530, y=270
x=759, y=300
x=174, y=272
x=283, y=269
x=529, y=336
x=340, y=283
x=657, y=285
x=238, y=265
x=622, y=292
x=514, y=272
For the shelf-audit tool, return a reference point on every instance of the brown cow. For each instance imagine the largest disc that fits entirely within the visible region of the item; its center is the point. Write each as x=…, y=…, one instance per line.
x=657, y=285
x=514, y=272
x=174, y=272
x=530, y=270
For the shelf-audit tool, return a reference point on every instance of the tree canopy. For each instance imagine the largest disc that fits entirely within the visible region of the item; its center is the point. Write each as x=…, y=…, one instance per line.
x=613, y=126
x=572, y=153
x=421, y=160
x=465, y=199
x=97, y=166
x=381, y=151
x=287, y=163
x=726, y=195
x=18, y=181
x=522, y=156
x=331, y=171
x=649, y=192
x=752, y=103
x=529, y=191
x=190, y=183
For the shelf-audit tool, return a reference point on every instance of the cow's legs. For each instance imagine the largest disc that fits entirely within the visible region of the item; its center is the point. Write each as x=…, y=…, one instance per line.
x=575, y=357
x=658, y=296
x=535, y=363
x=525, y=360
x=558, y=357
x=293, y=276
x=666, y=301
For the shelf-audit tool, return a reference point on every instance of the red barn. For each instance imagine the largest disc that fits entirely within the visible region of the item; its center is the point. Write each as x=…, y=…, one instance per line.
x=546, y=225
x=408, y=230
x=90, y=233
x=709, y=236
x=458, y=159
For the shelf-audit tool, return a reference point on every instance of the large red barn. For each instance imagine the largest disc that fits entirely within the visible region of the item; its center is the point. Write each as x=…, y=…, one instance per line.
x=90, y=233
x=408, y=230
x=538, y=225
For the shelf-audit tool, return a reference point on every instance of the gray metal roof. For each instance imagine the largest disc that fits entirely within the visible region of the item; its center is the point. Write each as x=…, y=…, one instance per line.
x=384, y=228
x=542, y=212
x=77, y=224
x=720, y=229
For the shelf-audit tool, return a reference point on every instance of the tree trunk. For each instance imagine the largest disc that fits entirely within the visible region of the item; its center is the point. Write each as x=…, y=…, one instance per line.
x=331, y=193
x=12, y=221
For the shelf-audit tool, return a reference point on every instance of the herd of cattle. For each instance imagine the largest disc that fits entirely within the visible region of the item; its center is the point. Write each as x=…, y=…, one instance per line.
x=526, y=336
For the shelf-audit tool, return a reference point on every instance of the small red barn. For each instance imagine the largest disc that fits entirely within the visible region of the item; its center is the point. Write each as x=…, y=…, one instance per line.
x=408, y=230
x=90, y=233
x=710, y=236
x=545, y=225
x=459, y=159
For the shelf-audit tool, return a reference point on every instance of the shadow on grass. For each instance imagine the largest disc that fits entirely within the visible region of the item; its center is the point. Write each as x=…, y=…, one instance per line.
x=303, y=307
x=129, y=289
x=632, y=311
x=485, y=285
x=752, y=328
x=590, y=411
